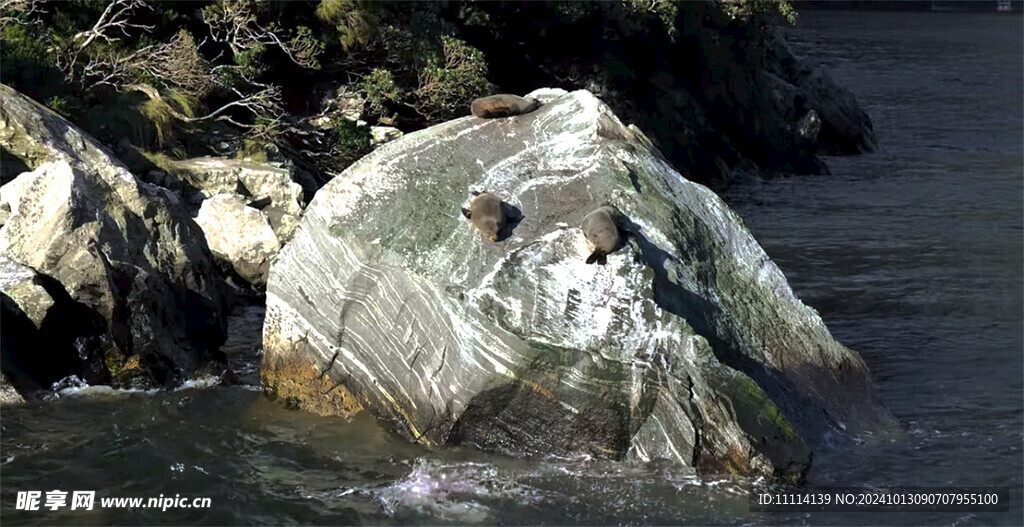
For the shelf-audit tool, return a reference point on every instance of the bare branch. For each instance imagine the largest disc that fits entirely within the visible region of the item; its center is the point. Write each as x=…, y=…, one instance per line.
x=115, y=16
x=18, y=11
x=236, y=23
x=265, y=103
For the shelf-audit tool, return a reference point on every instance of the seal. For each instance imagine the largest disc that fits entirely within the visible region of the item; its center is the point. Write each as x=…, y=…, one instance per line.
x=502, y=105
x=602, y=233
x=487, y=213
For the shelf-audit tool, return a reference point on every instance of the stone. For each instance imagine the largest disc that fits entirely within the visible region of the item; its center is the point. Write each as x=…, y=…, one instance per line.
x=250, y=180
x=239, y=234
x=47, y=336
x=688, y=345
x=21, y=284
x=8, y=395
x=382, y=134
x=130, y=260
x=842, y=126
x=345, y=104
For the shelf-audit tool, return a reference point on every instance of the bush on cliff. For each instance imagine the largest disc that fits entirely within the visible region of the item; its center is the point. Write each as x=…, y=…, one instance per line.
x=683, y=71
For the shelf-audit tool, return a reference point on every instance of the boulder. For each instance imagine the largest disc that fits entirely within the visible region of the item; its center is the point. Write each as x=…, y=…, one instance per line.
x=239, y=234
x=688, y=345
x=259, y=185
x=124, y=251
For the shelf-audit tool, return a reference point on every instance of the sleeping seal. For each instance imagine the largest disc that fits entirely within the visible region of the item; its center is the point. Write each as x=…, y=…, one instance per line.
x=603, y=234
x=502, y=105
x=487, y=213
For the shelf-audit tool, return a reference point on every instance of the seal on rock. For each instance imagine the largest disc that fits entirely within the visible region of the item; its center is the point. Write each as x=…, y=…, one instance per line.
x=487, y=213
x=502, y=105
x=603, y=234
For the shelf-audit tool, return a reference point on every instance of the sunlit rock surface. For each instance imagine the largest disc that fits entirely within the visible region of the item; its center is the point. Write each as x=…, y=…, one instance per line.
x=126, y=255
x=688, y=345
x=239, y=234
x=262, y=186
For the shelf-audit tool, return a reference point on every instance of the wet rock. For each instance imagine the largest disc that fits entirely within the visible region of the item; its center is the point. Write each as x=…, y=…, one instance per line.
x=239, y=234
x=809, y=126
x=124, y=251
x=47, y=336
x=688, y=345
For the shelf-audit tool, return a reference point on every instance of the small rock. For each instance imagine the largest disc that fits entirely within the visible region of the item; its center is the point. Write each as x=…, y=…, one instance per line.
x=349, y=107
x=382, y=134
x=809, y=126
x=8, y=395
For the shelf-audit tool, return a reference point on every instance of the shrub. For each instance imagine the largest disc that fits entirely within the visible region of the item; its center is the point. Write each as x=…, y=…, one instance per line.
x=351, y=142
x=447, y=84
x=381, y=90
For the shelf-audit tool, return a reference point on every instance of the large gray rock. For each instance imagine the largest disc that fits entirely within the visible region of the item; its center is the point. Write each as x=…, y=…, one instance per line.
x=239, y=234
x=688, y=345
x=124, y=250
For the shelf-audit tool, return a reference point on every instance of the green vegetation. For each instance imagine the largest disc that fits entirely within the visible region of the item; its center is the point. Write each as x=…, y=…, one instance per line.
x=760, y=10
x=253, y=66
x=381, y=90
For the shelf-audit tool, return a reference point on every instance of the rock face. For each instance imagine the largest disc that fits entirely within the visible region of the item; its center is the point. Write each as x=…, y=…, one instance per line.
x=240, y=235
x=688, y=345
x=47, y=335
x=8, y=395
x=124, y=254
x=800, y=92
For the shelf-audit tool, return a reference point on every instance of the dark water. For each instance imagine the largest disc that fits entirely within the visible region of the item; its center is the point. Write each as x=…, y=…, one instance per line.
x=913, y=256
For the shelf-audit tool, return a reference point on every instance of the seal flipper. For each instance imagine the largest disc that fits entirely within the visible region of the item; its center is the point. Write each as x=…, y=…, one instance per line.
x=466, y=213
x=475, y=192
x=597, y=256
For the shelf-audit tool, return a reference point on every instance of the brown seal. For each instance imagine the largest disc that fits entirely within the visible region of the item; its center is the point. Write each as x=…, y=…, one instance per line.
x=502, y=105
x=603, y=234
x=487, y=213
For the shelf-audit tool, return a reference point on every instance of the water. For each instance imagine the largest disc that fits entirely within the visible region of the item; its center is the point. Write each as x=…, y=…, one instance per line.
x=913, y=256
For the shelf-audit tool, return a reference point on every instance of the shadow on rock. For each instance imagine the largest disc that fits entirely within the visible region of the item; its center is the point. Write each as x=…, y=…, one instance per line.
x=513, y=217
x=807, y=415
x=65, y=343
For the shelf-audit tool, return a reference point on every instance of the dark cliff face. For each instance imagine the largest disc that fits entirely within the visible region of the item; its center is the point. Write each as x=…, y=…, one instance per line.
x=715, y=94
